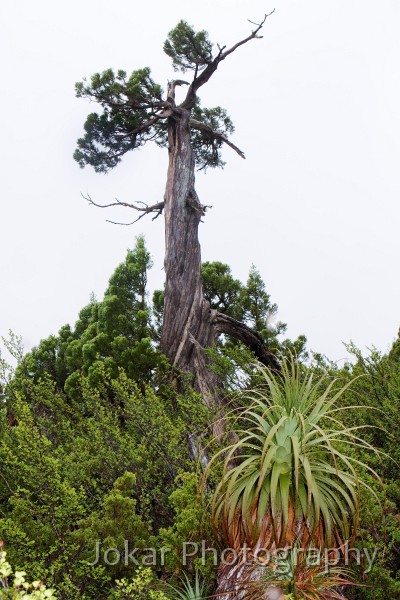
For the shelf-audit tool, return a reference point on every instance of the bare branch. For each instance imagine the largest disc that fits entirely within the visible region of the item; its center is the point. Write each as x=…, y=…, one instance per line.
x=252, y=36
x=145, y=209
x=150, y=209
x=195, y=124
x=116, y=203
x=259, y=25
x=171, y=89
x=230, y=326
x=205, y=75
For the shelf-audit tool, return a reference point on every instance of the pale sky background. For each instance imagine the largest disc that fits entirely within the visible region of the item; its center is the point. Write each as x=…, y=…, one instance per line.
x=315, y=206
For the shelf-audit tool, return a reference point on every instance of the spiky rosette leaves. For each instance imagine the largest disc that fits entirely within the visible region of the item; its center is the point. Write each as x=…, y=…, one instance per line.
x=131, y=107
x=296, y=576
x=189, y=50
x=187, y=590
x=290, y=477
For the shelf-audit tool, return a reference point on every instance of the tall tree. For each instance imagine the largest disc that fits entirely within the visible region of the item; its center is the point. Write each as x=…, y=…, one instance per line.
x=112, y=333
x=134, y=111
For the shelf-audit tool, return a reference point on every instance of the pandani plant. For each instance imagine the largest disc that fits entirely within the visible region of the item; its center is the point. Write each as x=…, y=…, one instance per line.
x=290, y=476
x=188, y=590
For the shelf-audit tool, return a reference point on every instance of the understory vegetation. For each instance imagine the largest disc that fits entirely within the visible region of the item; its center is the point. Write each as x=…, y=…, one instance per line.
x=100, y=450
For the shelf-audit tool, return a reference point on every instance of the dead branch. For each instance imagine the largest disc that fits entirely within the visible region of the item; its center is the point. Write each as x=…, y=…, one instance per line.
x=230, y=326
x=205, y=75
x=252, y=36
x=142, y=207
x=195, y=124
x=171, y=89
x=194, y=202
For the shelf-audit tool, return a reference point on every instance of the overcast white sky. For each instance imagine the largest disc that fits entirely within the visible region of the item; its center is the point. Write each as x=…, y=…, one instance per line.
x=315, y=206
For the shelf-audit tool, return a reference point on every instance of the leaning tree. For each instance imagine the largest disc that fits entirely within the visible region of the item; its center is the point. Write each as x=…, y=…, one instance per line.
x=135, y=110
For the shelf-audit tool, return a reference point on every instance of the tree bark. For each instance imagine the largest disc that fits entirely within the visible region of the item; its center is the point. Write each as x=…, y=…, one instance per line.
x=189, y=324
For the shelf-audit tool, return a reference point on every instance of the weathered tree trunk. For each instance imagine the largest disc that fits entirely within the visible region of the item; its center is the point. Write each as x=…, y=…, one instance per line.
x=187, y=319
x=189, y=324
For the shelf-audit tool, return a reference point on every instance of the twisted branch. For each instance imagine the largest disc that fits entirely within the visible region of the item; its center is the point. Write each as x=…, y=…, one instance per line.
x=142, y=207
x=230, y=326
x=205, y=75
